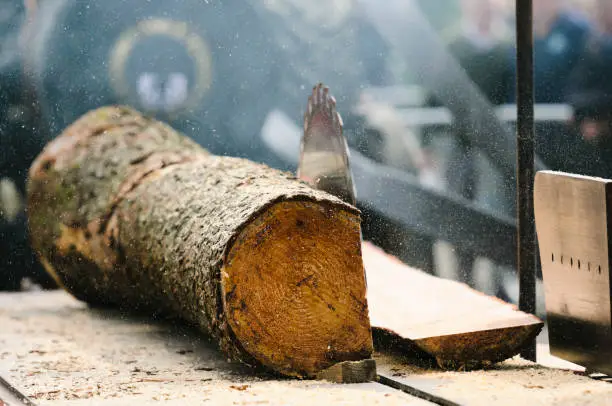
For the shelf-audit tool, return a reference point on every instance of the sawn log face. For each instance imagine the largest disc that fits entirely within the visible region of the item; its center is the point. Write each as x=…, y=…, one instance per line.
x=124, y=211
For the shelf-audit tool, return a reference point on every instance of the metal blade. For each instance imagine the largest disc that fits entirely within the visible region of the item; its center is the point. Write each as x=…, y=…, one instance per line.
x=573, y=221
x=324, y=153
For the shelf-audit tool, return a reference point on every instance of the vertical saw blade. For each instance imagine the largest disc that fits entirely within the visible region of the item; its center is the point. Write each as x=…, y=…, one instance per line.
x=324, y=154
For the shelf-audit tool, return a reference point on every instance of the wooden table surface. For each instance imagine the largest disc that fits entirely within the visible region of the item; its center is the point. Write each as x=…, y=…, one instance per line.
x=58, y=351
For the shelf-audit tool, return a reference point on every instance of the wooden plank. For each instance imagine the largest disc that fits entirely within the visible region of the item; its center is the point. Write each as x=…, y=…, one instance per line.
x=447, y=319
x=58, y=351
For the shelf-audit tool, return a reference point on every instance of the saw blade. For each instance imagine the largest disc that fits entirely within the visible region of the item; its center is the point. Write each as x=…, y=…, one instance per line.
x=324, y=154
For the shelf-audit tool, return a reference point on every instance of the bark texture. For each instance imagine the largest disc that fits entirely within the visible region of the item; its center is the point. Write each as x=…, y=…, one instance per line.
x=125, y=211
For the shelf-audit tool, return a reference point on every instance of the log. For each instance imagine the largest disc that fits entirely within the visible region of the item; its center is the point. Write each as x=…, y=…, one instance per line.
x=126, y=212
x=427, y=316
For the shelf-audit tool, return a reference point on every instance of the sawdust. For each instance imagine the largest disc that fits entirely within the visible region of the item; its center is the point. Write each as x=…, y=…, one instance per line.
x=59, y=352
x=515, y=381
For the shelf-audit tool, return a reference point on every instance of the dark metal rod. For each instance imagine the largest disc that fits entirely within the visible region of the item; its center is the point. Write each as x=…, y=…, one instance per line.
x=392, y=383
x=526, y=253
x=9, y=395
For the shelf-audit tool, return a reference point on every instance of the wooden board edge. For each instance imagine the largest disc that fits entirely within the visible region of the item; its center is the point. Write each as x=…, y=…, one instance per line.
x=471, y=350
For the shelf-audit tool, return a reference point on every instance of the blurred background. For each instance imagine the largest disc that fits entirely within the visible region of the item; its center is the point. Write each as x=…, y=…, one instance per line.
x=426, y=89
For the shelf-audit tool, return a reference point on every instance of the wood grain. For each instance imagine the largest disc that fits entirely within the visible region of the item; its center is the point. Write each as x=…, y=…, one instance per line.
x=446, y=319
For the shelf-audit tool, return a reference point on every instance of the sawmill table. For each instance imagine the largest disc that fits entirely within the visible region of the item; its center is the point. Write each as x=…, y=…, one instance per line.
x=57, y=351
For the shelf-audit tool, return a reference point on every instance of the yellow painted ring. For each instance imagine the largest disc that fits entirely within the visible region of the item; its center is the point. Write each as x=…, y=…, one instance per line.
x=196, y=47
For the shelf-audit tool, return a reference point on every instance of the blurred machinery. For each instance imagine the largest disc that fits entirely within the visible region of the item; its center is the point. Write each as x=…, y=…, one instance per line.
x=213, y=69
x=232, y=75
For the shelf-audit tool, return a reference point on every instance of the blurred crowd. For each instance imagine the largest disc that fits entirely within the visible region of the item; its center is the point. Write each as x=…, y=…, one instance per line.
x=572, y=60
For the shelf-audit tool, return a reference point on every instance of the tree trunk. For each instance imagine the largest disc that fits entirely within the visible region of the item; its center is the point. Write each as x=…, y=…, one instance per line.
x=124, y=211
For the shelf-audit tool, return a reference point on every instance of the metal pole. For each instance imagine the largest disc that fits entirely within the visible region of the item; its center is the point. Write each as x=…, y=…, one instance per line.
x=526, y=254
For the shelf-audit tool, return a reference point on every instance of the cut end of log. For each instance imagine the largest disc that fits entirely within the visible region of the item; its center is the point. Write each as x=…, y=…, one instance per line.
x=294, y=290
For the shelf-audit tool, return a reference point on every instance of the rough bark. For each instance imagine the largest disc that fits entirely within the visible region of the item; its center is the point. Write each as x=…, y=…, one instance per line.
x=124, y=211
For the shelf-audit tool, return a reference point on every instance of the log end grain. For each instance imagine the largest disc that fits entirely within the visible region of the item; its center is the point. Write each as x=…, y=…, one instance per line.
x=293, y=288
